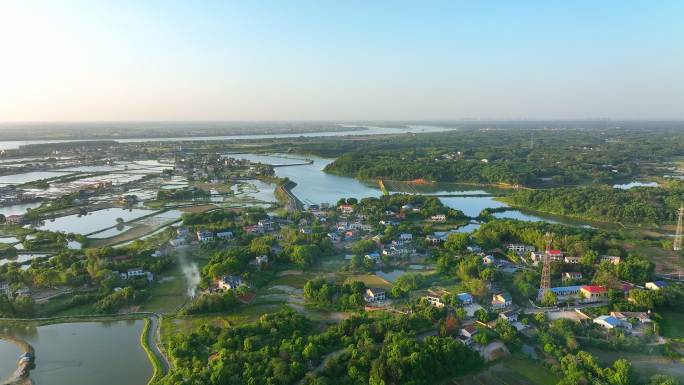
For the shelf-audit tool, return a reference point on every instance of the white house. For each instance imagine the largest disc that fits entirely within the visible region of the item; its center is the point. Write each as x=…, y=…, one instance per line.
x=261, y=259
x=373, y=256
x=4, y=288
x=509, y=315
x=610, y=258
x=438, y=218
x=205, y=236
x=374, y=295
x=435, y=299
x=225, y=235
x=520, y=249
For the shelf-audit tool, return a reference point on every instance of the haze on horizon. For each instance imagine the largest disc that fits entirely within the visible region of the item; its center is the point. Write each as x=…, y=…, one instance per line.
x=352, y=60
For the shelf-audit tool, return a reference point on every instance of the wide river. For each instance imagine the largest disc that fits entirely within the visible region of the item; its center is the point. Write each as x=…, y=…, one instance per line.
x=369, y=130
x=83, y=353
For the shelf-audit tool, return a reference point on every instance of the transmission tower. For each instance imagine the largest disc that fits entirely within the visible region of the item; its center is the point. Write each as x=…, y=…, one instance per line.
x=678, y=235
x=546, y=267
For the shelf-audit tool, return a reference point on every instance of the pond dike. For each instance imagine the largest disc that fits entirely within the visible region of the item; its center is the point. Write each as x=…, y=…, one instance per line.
x=24, y=365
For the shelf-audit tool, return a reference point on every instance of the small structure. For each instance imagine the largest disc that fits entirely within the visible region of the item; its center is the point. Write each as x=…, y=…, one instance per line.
x=655, y=285
x=406, y=237
x=438, y=218
x=610, y=258
x=465, y=298
x=374, y=295
x=230, y=282
x=519, y=249
x=205, y=236
x=435, y=299
x=509, y=315
x=610, y=322
x=374, y=256
x=572, y=276
x=501, y=301
x=571, y=259
x=594, y=293
x=262, y=259
x=225, y=235
x=625, y=316
x=346, y=209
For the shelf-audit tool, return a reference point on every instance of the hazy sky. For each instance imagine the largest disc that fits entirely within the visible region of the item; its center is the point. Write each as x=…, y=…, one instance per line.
x=367, y=59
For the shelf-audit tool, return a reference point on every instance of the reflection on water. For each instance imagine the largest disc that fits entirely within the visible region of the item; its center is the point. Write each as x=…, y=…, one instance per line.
x=390, y=276
x=103, y=353
x=92, y=222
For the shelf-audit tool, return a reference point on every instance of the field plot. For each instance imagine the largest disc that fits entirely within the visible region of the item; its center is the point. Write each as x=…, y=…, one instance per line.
x=512, y=371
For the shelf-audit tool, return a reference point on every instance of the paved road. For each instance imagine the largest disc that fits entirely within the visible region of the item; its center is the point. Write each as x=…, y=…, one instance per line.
x=153, y=341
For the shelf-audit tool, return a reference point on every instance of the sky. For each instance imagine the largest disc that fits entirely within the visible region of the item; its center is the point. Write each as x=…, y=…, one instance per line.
x=340, y=60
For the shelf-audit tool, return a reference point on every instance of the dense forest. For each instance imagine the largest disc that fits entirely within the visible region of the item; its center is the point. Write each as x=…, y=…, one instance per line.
x=559, y=157
x=636, y=205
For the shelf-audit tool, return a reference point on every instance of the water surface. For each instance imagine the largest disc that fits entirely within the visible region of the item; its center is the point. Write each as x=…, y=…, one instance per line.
x=85, y=353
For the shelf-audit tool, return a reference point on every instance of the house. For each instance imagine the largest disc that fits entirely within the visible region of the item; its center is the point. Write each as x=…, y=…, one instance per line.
x=610, y=322
x=253, y=229
x=374, y=295
x=180, y=241
x=4, y=288
x=262, y=259
x=501, y=301
x=137, y=272
x=488, y=260
x=266, y=224
x=225, y=235
x=435, y=299
x=509, y=315
x=438, y=218
x=305, y=230
x=465, y=298
x=406, y=237
x=625, y=316
x=389, y=222
x=519, y=249
x=205, y=236
x=656, y=285
x=466, y=334
x=182, y=232
x=230, y=282
x=571, y=259
x=572, y=276
x=346, y=209
x=564, y=293
x=14, y=219
x=374, y=256
x=334, y=237
x=593, y=293
x=610, y=258
x=554, y=255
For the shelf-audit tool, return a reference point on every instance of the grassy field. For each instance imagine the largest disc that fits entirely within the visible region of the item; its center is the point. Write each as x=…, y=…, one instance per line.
x=370, y=280
x=511, y=371
x=672, y=325
x=644, y=365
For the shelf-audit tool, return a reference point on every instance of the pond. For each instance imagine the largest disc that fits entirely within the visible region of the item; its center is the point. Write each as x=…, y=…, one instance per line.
x=103, y=353
x=9, y=355
x=92, y=222
x=18, y=208
x=22, y=258
x=390, y=276
x=30, y=177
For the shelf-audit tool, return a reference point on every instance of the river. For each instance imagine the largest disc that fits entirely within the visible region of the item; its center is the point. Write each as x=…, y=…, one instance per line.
x=370, y=130
x=83, y=353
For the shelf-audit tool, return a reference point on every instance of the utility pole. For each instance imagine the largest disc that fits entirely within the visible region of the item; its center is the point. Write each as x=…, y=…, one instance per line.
x=546, y=267
x=678, y=235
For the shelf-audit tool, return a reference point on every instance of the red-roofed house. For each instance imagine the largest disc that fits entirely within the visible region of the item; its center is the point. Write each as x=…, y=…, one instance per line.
x=594, y=293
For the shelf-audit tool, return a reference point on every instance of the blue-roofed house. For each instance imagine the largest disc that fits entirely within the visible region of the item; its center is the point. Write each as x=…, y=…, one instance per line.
x=465, y=298
x=610, y=322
